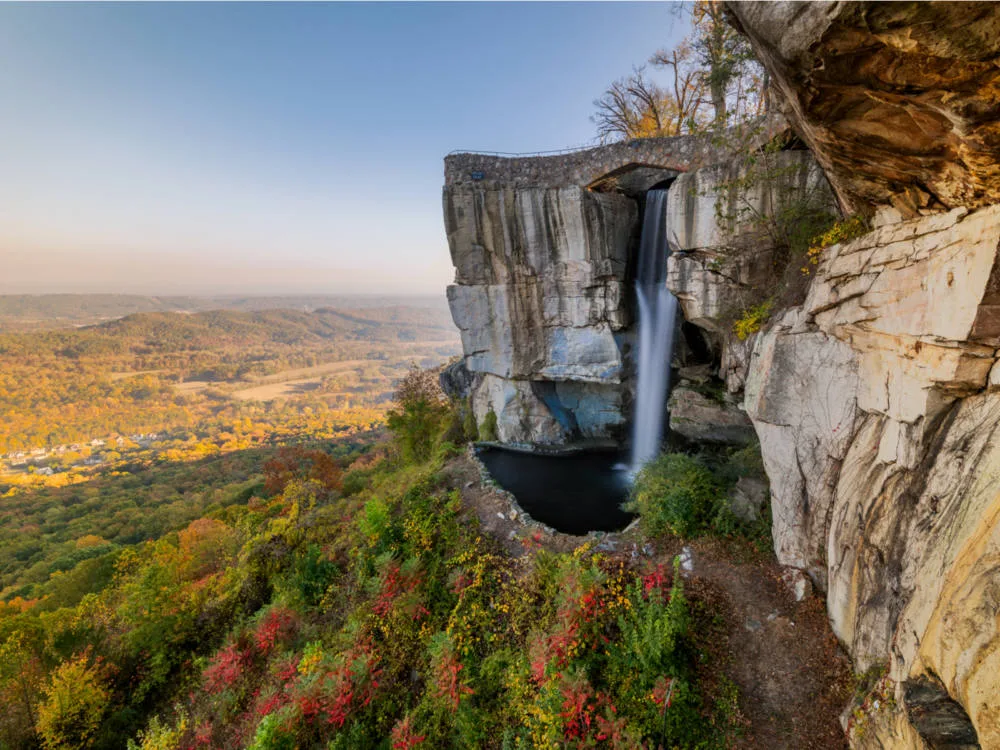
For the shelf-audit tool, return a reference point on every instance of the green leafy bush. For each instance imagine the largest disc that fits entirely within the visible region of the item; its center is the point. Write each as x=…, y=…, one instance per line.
x=421, y=414
x=676, y=494
x=488, y=429
x=469, y=426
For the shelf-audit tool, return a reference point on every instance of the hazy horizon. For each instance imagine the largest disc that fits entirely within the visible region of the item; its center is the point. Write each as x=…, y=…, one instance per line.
x=277, y=148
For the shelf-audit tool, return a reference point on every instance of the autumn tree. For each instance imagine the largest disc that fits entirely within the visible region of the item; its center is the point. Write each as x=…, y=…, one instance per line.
x=636, y=107
x=74, y=705
x=21, y=679
x=710, y=78
x=420, y=413
x=298, y=463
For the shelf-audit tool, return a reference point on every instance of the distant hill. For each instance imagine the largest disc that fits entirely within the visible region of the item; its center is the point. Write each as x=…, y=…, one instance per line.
x=33, y=312
x=157, y=371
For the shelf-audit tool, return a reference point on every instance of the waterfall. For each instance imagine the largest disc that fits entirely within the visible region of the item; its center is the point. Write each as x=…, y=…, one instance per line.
x=657, y=314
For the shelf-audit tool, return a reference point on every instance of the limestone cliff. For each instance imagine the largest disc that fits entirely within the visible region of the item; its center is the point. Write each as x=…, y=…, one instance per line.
x=540, y=301
x=543, y=249
x=877, y=400
x=544, y=256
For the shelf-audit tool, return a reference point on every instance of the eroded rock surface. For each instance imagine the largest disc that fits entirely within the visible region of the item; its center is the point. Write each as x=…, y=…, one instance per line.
x=881, y=439
x=702, y=419
x=899, y=101
x=540, y=302
x=718, y=234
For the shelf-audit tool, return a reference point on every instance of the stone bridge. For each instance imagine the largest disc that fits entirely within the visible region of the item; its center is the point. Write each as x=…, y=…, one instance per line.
x=585, y=167
x=594, y=167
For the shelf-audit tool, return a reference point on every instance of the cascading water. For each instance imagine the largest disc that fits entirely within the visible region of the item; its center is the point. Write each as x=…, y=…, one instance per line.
x=657, y=315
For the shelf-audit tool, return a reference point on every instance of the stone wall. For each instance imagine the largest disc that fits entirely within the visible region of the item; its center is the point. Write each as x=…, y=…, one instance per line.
x=584, y=167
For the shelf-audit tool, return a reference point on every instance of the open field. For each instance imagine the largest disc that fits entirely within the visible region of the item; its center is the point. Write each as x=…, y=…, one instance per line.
x=292, y=383
x=122, y=375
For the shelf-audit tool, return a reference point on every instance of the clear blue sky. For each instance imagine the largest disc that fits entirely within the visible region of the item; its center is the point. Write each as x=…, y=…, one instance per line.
x=250, y=148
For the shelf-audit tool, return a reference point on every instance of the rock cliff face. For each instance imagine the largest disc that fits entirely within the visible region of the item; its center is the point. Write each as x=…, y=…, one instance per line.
x=543, y=283
x=898, y=101
x=708, y=220
x=877, y=400
x=541, y=305
x=879, y=429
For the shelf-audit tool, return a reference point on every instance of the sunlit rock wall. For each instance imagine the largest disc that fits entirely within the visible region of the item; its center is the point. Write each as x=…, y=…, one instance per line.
x=877, y=401
x=880, y=429
x=540, y=301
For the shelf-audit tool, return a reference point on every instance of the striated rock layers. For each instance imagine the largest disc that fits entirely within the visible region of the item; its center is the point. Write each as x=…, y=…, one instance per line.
x=880, y=431
x=543, y=289
x=540, y=300
x=877, y=400
x=900, y=102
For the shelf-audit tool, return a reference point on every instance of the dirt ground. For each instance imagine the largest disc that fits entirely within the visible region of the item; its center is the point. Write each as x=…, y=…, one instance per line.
x=793, y=678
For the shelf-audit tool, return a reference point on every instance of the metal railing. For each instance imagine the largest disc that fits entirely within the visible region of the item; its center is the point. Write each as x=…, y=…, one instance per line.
x=525, y=154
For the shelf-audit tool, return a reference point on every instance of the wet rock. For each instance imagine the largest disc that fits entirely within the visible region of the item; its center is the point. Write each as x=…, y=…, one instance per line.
x=457, y=381
x=705, y=420
x=696, y=374
x=940, y=721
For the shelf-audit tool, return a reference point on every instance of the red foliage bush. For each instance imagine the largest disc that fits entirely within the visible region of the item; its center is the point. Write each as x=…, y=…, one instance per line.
x=277, y=626
x=448, y=683
x=226, y=667
x=404, y=737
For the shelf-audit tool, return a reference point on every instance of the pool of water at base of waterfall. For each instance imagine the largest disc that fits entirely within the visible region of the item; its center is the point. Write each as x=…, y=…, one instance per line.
x=574, y=493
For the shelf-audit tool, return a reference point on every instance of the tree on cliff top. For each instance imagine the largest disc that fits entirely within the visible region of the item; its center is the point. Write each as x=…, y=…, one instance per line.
x=728, y=69
x=636, y=107
x=713, y=80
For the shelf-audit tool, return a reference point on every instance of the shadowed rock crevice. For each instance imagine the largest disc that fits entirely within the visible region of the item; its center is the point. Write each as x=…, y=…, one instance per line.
x=940, y=721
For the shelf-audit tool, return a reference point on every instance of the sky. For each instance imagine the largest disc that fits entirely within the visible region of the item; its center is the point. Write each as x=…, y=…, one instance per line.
x=203, y=148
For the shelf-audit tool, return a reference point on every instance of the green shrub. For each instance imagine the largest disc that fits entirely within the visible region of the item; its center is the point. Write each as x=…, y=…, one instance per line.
x=676, y=494
x=469, y=421
x=746, y=462
x=377, y=525
x=488, y=429
x=653, y=655
x=421, y=414
x=272, y=736
x=312, y=576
